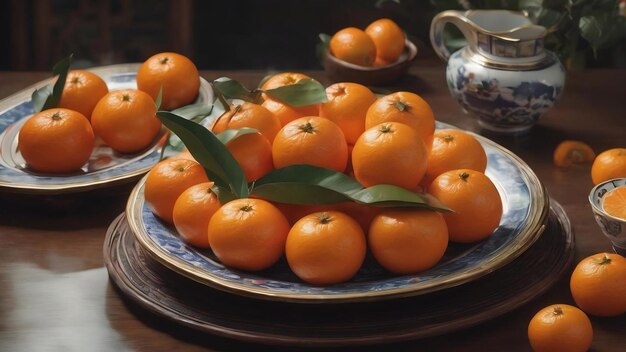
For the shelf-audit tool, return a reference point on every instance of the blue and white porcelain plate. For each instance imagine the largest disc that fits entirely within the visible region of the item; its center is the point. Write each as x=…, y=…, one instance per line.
x=105, y=166
x=525, y=211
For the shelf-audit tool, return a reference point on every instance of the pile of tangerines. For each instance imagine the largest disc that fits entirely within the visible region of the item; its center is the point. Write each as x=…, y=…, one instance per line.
x=60, y=140
x=380, y=44
x=387, y=140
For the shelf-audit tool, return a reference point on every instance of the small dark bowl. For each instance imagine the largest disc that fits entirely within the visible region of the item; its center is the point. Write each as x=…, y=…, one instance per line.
x=342, y=71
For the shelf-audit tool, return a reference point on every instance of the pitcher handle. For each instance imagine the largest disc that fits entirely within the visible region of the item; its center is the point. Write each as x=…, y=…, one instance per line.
x=458, y=19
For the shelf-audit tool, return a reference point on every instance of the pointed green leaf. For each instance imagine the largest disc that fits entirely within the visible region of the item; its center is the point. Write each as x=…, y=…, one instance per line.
x=220, y=165
x=304, y=92
x=232, y=89
x=159, y=98
x=394, y=196
x=231, y=134
x=305, y=184
x=46, y=97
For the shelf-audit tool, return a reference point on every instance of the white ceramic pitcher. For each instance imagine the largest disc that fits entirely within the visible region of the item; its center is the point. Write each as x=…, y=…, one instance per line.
x=503, y=76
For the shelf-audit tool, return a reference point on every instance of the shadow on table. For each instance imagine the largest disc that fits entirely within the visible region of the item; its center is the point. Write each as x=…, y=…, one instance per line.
x=63, y=211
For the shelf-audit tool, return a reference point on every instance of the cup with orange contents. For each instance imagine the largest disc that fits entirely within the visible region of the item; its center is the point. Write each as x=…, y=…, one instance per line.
x=608, y=202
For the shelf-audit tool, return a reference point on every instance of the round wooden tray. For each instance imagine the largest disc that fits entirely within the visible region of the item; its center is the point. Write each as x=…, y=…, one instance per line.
x=162, y=291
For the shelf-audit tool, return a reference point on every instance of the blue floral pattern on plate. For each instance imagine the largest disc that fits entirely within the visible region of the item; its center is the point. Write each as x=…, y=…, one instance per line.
x=525, y=209
x=104, y=167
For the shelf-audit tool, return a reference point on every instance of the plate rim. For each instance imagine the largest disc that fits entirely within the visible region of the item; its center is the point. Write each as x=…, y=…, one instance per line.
x=539, y=211
x=86, y=185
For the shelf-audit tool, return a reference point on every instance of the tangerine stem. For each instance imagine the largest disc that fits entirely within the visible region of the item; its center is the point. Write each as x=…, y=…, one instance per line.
x=246, y=208
x=448, y=138
x=603, y=261
x=558, y=310
x=464, y=176
x=56, y=116
x=307, y=128
x=164, y=60
x=324, y=218
x=386, y=128
x=402, y=106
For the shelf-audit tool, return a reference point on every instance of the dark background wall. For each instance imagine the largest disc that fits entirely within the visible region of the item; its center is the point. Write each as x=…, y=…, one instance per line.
x=215, y=34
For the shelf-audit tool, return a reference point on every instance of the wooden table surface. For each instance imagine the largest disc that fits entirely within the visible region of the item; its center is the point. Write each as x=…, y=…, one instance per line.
x=55, y=294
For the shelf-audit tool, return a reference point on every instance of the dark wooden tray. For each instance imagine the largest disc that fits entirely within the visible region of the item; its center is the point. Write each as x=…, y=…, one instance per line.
x=194, y=305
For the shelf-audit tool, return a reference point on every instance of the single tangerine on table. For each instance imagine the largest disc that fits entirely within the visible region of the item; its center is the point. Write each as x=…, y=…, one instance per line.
x=248, y=234
x=572, y=152
x=388, y=38
x=192, y=211
x=249, y=115
x=346, y=106
x=407, y=108
x=126, y=120
x=56, y=141
x=560, y=327
x=407, y=241
x=325, y=248
x=390, y=153
x=598, y=284
x=175, y=74
x=454, y=149
x=354, y=46
x=311, y=140
x=614, y=203
x=253, y=152
x=475, y=201
x=608, y=165
x=82, y=91
x=167, y=180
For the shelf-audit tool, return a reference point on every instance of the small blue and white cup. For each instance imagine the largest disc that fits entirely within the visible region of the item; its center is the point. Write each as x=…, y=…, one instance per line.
x=614, y=228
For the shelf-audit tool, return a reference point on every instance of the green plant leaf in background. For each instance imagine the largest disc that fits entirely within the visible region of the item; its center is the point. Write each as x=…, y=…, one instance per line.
x=601, y=29
x=304, y=92
x=159, y=99
x=48, y=97
x=220, y=165
x=231, y=134
x=322, y=47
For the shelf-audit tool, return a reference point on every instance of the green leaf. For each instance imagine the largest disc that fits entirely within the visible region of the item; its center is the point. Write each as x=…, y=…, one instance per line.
x=602, y=29
x=194, y=112
x=230, y=134
x=232, y=89
x=46, y=97
x=322, y=47
x=159, y=98
x=304, y=92
x=394, y=196
x=220, y=165
x=306, y=184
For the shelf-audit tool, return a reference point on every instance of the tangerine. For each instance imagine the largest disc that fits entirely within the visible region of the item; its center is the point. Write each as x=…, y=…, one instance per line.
x=126, y=120
x=248, y=234
x=167, y=180
x=614, y=203
x=598, y=284
x=475, y=201
x=572, y=152
x=407, y=241
x=253, y=152
x=346, y=106
x=287, y=113
x=82, y=91
x=325, y=248
x=608, y=165
x=560, y=327
x=249, y=115
x=313, y=141
x=354, y=46
x=404, y=107
x=56, y=141
x=390, y=153
x=175, y=74
x=388, y=38
x=192, y=211
x=454, y=149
